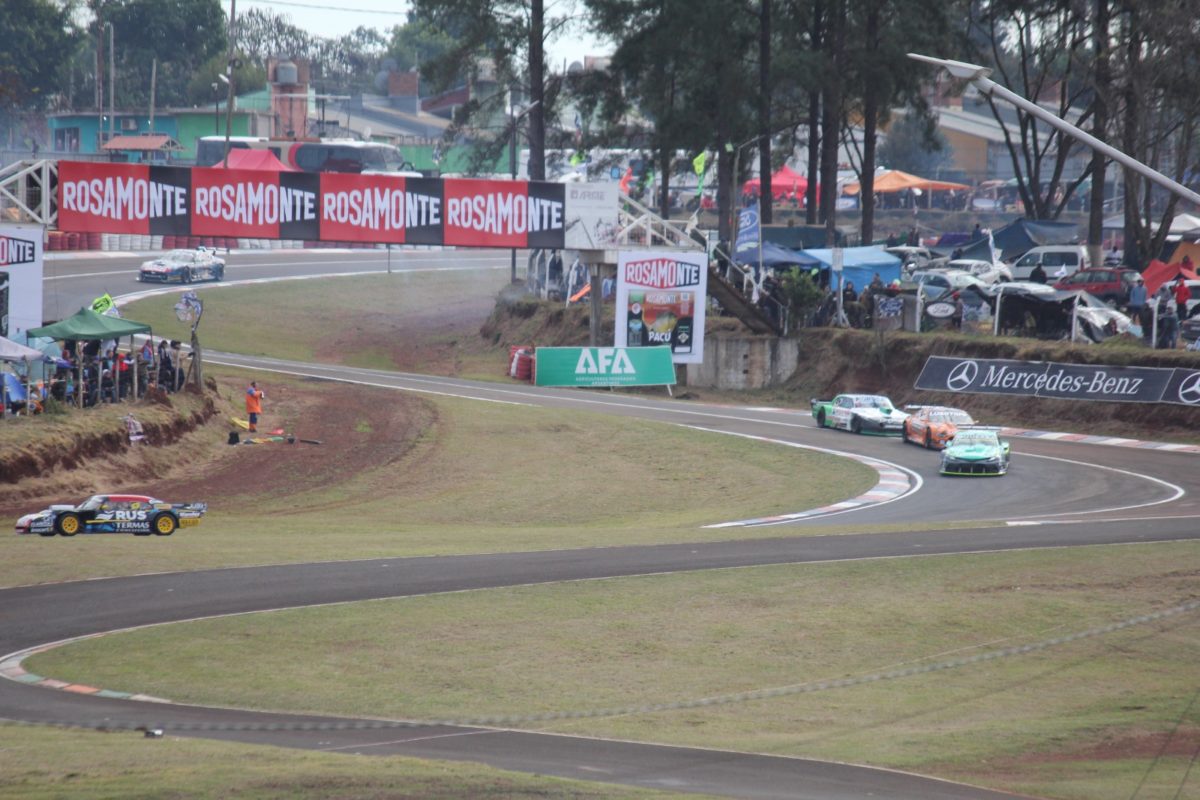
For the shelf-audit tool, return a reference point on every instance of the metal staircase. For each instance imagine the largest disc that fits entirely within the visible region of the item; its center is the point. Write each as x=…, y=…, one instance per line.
x=642, y=227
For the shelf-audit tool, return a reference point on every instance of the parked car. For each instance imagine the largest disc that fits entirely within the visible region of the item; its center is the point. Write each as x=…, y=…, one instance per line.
x=113, y=513
x=914, y=257
x=1110, y=284
x=934, y=426
x=975, y=452
x=1058, y=261
x=184, y=266
x=986, y=271
x=859, y=413
x=936, y=282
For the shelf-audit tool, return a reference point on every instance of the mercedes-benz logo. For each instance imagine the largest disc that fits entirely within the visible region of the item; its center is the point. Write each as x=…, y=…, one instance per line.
x=963, y=375
x=1189, y=390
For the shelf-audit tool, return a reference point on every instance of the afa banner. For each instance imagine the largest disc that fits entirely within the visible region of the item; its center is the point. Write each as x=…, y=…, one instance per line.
x=1064, y=381
x=604, y=366
x=661, y=301
x=21, y=276
x=145, y=199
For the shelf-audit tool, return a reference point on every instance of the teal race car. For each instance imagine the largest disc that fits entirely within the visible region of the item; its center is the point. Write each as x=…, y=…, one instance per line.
x=975, y=452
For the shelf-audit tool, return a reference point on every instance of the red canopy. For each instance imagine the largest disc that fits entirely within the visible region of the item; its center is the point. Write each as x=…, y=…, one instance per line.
x=785, y=183
x=262, y=160
x=1158, y=273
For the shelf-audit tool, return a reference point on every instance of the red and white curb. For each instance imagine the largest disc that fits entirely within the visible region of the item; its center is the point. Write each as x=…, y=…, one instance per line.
x=894, y=483
x=11, y=669
x=1108, y=441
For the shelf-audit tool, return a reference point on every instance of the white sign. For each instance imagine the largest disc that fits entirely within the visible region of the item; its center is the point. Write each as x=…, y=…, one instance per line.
x=661, y=298
x=592, y=220
x=20, y=278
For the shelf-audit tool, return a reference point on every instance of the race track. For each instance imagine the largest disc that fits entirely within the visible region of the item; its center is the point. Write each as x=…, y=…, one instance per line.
x=1071, y=495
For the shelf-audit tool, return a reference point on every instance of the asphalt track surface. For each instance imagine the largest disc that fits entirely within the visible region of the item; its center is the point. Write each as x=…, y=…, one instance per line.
x=1070, y=495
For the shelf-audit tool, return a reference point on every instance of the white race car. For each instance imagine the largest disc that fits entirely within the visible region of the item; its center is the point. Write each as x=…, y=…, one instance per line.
x=860, y=413
x=184, y=266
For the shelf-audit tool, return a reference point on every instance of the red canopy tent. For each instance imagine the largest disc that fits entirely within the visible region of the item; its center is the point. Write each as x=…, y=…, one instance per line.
x=1157, y=273
x=785, y=183
x=260, y=160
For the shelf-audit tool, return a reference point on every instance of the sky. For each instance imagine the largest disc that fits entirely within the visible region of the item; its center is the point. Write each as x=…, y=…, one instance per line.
x=336, y=17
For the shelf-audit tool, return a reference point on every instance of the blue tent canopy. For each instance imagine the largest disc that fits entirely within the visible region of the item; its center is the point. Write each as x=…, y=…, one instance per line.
x=859, y=265
x=773, y=255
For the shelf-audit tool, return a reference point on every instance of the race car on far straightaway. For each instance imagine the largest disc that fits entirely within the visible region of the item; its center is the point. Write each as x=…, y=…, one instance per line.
x=933, y=426
x=860, y=413
x=975, y=451
x=113, y=513
x=184, y=266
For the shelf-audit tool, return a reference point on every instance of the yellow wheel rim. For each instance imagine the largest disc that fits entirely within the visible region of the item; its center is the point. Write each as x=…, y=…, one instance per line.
x=70, y=525
x=165, y=524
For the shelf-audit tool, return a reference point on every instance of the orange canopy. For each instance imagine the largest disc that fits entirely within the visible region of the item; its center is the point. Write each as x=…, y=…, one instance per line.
x=897, y=181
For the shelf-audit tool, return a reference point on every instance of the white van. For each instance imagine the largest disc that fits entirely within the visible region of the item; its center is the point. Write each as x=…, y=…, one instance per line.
x=1057, y=260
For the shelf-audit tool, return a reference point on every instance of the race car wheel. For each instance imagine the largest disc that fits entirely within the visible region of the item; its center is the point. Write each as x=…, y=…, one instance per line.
x=928, y=441
x=218, y=273
x=164, y=524
x=821, y=418
x=68, y=524
x=856, y=425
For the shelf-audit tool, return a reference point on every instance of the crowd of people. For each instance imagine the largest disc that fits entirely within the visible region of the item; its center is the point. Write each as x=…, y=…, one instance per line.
x=107, y=374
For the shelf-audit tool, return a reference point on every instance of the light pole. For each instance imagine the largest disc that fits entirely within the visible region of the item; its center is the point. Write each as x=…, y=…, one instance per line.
x=515, y=120
x=112, y=108
x=216, y=109
x=978, y=76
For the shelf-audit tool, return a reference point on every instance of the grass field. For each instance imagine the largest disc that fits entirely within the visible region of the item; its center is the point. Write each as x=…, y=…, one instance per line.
x=1102, y=718
x=678, y=638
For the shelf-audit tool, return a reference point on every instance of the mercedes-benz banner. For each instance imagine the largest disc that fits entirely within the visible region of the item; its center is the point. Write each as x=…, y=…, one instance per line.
x=1064, y=381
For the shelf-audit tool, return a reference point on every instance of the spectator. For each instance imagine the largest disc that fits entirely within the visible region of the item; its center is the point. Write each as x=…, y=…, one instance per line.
x=1137, y=301
x=957, y=319
x=1182, y=295
x=892, y=241
x=1168, y=325
x=848, y=294
x=254, y=398
x=976, y=234
x=1038, y=275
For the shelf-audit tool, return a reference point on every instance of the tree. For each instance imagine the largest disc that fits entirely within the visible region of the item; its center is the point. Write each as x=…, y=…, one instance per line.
x=39, y=37
x=1038, y=48
x=915, y=145
x=510, y=37
x=248, y=76
x=685, y=67
x=182, y=35
x=417, y=43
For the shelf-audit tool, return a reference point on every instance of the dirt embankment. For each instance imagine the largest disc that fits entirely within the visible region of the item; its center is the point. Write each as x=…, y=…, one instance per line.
x=833, y=360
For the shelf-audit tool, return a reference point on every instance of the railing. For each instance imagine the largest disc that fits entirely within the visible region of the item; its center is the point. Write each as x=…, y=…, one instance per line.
x=26, y=194
x=640, y=226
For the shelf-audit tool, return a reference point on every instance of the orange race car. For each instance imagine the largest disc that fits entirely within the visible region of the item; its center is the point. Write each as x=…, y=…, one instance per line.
x=934, y=426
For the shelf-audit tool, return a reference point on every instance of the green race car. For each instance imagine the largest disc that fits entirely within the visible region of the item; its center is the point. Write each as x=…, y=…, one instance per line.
x=974, y=452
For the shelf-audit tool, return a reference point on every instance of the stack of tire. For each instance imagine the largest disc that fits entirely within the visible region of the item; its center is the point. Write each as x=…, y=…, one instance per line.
x=521, y=362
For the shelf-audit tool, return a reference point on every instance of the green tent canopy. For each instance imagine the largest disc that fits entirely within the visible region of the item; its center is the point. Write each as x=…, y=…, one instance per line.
x=87, y=324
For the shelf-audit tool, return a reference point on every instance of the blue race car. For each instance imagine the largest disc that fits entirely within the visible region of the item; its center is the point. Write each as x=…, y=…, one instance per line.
x=113, y=513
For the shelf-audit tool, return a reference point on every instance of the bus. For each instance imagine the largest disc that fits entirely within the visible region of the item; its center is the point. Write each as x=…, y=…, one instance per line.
x=314, y=155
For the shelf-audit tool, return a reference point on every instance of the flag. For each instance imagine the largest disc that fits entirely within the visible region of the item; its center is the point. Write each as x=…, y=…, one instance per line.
x=747, y=231
x=626, y=180
x=102, y=303
x=699, y=163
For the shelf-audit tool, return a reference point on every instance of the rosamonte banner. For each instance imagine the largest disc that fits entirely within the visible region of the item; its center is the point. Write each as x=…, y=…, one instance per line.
x=1064, y=381
x=661, y=300
x=147, y=199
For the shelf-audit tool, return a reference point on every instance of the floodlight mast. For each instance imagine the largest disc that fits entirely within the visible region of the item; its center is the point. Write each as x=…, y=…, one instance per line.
x=978, y=76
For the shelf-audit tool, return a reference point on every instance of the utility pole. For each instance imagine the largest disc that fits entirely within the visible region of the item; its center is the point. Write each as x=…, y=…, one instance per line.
x=112, y=85
x=229, y=72
x=153, y=85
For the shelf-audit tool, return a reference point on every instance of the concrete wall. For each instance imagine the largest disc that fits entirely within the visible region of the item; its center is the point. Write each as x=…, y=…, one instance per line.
x=745, y=363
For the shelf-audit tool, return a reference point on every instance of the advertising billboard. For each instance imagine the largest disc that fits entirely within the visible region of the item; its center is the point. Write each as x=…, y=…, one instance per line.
x=183, y=201
x=660, y=299
x=20, y=278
